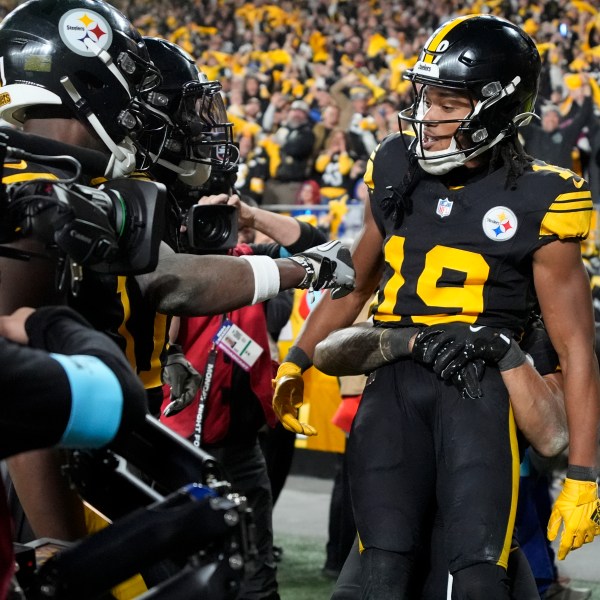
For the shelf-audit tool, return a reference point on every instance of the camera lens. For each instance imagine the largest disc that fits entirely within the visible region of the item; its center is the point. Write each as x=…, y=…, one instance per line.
x=214, y=230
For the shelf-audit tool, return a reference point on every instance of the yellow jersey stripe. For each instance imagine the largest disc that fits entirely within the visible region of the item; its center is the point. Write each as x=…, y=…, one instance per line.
x=572, y=201
x=514, y=448
x=566, y=223
x=20, y=177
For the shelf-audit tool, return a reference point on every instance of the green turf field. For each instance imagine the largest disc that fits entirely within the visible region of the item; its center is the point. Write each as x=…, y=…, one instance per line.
x=299, y=572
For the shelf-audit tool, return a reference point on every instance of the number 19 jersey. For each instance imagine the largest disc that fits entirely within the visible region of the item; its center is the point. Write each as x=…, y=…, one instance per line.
x=465, y=253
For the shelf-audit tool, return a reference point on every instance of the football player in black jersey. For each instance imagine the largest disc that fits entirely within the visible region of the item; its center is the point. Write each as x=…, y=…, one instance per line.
x=537, y=401
x=79, y=73
x=461, y=227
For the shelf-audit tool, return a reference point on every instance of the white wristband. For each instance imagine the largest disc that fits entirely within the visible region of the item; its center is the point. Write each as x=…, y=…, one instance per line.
x=266, y=277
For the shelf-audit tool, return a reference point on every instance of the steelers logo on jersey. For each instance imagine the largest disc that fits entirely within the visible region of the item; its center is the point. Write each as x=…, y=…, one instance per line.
x=499, y=223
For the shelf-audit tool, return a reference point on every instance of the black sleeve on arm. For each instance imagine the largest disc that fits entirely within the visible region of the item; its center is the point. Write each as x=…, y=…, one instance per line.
x=309, y=237
x=61, y=330
x=36, y=399
x=279, y=310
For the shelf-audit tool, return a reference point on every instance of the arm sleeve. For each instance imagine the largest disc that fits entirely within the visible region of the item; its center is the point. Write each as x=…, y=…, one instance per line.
x=310, y=237
x=278, y=312
x=46, y=386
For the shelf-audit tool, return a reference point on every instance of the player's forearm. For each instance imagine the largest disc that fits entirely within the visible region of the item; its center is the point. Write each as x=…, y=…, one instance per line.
x=281, y=228
x=582, y=402
x=362, y=348
x=538, y=407
x=350, y=351
x=328, y=316
x=187, y=285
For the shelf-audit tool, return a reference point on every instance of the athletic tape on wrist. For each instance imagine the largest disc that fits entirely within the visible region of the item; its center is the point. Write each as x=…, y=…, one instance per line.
x=96, y=402
x=515, y=357
x=266, y=277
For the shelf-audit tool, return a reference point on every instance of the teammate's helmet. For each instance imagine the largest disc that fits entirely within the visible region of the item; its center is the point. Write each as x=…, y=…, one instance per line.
x=82, y=59
x=200, y=138
x=492, y=59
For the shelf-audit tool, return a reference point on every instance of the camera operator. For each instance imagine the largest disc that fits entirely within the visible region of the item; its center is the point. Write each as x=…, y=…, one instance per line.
x=65, y=385
x=65, y=108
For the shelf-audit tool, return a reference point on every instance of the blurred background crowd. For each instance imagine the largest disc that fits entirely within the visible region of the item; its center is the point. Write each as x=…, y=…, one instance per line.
x=312, y=86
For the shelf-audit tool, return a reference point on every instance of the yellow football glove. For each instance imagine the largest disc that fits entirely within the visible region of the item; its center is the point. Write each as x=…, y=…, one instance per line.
x=578, y=508
x=288, y=397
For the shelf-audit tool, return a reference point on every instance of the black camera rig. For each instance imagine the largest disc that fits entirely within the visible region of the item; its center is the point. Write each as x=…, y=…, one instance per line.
x=168, y=503
x=115, y=228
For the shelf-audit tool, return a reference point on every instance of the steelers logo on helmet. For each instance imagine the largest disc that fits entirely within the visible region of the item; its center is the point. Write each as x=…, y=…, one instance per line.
x=500, y=224
x=84, y=31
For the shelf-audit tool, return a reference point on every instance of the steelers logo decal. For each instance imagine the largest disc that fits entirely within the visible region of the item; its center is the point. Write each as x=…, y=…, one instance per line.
x=499, y=223
x=84, y=32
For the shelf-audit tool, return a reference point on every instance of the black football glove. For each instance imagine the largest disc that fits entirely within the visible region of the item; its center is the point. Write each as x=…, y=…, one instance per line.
x=184, y=380
x=449, y=348
x=467, y=379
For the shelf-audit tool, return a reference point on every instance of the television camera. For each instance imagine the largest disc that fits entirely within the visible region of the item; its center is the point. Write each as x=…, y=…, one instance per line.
x=115, y=228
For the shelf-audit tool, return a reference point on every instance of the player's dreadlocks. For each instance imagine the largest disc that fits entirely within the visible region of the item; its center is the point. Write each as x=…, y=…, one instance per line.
x=508, y=154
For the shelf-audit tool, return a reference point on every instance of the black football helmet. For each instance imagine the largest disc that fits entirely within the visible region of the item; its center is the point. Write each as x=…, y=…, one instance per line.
x=84, y=59
x=200, y=138
x=497, y=63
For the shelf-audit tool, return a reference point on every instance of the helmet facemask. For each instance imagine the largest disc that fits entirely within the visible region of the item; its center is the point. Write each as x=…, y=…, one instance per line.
x=472, y=137
x=200, y=139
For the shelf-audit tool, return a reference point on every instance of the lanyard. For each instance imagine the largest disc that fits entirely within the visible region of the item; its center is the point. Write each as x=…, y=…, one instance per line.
x=206, y=383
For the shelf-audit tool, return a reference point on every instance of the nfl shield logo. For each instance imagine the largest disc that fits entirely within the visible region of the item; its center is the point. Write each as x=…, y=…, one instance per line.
x=444, y=207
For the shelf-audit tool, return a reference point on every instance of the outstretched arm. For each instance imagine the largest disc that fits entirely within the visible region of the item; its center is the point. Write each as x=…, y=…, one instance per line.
x=537, y=401
x=362, y=348
x=282, y=229
x=188, y=285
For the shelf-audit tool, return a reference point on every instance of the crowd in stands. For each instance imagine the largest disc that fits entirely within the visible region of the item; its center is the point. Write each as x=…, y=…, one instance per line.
x=313, y=86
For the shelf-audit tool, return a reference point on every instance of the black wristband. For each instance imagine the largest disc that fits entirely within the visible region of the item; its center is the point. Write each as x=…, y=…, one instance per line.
x=582, y=473
x=174, y=349
x=298, y=357
x=393, y=343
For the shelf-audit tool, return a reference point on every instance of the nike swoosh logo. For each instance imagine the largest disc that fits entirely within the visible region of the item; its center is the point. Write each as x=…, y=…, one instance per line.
x=476, y=329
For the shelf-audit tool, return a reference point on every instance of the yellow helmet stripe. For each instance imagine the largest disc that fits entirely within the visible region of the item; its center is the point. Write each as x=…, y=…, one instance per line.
x=441, y=35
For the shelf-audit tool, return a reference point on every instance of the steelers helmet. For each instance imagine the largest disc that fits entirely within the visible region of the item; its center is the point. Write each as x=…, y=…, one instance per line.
x=493, y=60
x=79, y=59
x=200, y=138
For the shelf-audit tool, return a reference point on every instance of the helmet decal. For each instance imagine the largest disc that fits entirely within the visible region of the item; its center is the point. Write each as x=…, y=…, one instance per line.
x=438, y=43
x=78, y=27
